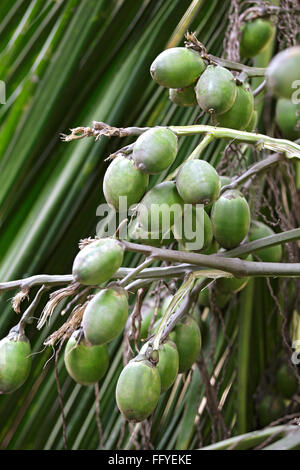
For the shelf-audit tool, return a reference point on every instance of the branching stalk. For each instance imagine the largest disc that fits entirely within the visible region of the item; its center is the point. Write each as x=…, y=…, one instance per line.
x=261, y=141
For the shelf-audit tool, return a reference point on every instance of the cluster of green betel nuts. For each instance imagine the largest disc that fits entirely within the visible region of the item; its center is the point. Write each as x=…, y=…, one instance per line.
x=225, y=224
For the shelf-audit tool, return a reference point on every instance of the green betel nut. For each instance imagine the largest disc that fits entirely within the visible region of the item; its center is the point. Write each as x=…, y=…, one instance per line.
x=240, y=113
x=15, y=362
x=85, y=363
x=288, y=118
x=123, y=179
x=159, y=208
x=198, y=182
x=216, y=90
x=230, y=218
x=168, y=363
x=155, y=150
x=177, y=67
x=283, y=72
x=98, y=262
x=105, y=316
x=187, y=338
x=138, y=390
x=255, y=37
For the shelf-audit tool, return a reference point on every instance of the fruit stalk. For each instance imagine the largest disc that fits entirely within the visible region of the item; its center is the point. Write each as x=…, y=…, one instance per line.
x=190, y=260
x=290, y=149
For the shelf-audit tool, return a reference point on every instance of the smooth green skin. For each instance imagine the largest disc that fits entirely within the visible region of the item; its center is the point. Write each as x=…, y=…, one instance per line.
x=240, y=113
x=255, y=36
x=233, y=285
x=168, y=363
x=155, y=207
x=15, y=363
x=220, y=299
x=139, y=235
x=105, y=316
x=258, y=230
x=230, y=217
x=286, y=382
x=177, y=67
x=270, y=409
x=97, y=262
x=288, y=118
x=216, y=90
x=183, y=96
x=198, y=182
x=282, y=71
x=123, y=179
x=253, y=121
x=138, y=390
x=207, y=235
x=155, y=150
x=187, y=338
x=86, y=364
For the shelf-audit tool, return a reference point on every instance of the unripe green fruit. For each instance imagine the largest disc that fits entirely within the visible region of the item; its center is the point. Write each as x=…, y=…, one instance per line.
x=97, y=262
x=122, y=179
x=283, y=71
x=270, y=254
x=270, y=409
x=15, y=362
x=255, y=36
x=191, y=232
x=105, y=316
x=187, y=338
x=86, y=364
x=286, y=381
x=240, y=113
x=183, y=96
x=138, y=389
x=288, y=118
x=216, y=90
x=159, y=208
x=198, y=182
x=168, y=363
x=177, y=67
x=230, y=217
x=155, y=150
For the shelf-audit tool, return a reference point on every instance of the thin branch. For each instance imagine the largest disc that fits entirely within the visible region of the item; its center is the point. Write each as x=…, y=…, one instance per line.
x=125, y=281
x=26, y=317
x=260, y=88
x=290, y=149
x=271, y=240
x=235, y=266
x=207, y=265
x=38, y=279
